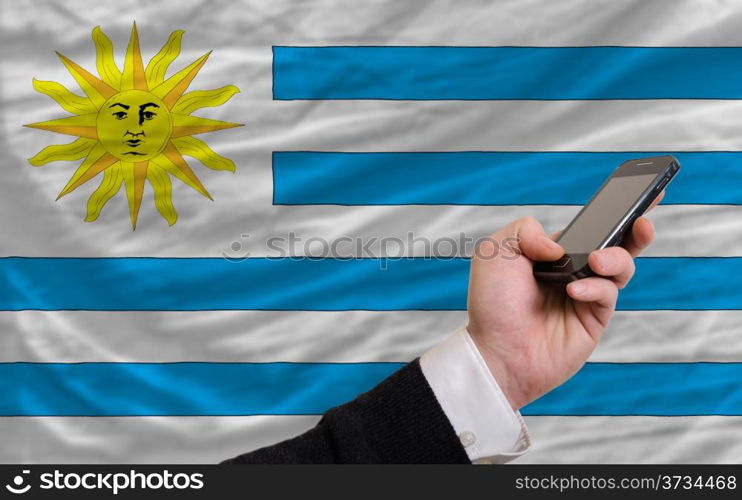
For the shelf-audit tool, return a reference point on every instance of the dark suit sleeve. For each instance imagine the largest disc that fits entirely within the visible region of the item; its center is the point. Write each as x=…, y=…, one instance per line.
x=398, y=421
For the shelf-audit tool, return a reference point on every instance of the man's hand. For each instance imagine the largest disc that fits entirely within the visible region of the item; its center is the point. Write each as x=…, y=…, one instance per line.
x=533, y=335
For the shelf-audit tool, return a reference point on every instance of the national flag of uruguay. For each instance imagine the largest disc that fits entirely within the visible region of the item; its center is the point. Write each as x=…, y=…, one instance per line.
x=186, y=341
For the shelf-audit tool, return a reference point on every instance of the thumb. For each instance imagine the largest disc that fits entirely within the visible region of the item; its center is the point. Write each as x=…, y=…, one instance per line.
x=534, y=242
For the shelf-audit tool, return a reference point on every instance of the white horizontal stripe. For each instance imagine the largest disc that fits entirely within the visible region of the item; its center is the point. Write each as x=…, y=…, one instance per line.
x=352, y=336
x=611, y=440
x=513, y=22
x=682, y=230
x=706, y=439
x=108, y=440
x=671, y=336
x=672, y=125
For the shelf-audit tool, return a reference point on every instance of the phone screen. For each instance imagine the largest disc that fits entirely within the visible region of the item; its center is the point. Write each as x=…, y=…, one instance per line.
x=604, y=213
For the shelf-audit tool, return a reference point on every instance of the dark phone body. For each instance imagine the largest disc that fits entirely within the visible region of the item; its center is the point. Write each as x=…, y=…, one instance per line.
x=658, y=171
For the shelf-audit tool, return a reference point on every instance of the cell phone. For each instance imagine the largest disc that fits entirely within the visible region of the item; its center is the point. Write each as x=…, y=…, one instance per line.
x=609, y=215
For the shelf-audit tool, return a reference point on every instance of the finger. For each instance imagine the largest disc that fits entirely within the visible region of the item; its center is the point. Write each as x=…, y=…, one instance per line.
x=594, y=300
x=600, y=291
x=641, y=236
x=613, y=262
x=534, y=242
x=556, y=234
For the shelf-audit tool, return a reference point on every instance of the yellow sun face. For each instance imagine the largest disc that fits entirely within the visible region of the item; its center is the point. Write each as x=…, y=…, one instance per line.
x=134, y=125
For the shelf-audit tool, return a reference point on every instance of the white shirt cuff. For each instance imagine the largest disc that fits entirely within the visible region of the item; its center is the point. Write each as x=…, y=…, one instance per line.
x=488, y=428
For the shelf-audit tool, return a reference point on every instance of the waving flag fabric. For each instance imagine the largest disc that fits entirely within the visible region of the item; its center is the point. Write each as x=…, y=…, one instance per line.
x=183, y=164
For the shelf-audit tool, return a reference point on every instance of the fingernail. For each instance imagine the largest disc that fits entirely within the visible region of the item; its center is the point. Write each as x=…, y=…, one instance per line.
x=578, y=288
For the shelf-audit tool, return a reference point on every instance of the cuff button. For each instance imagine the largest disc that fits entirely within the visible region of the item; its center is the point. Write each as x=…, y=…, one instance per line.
x=467, y=438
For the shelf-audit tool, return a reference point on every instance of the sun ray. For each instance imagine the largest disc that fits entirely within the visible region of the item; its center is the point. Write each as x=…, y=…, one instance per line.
x=173, y=88
x=163, y=190
x=172, y=154
x=134, y=175
x=81, y=126
x=189, y=125
x=95, y=154
x=158, y=65
x=69, y=101
x=92, y=166
x=106, y=64
x=96, y=89
x=199, y=150
x=169, y=167
x=79, y=148
x=109, y=186
x=133, y=76
x=198, y=99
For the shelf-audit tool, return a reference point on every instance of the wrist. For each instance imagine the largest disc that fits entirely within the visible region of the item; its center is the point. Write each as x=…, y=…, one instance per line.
x=505, y=378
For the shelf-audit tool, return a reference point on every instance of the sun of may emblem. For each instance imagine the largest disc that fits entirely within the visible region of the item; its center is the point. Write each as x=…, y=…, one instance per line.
x=134, y=125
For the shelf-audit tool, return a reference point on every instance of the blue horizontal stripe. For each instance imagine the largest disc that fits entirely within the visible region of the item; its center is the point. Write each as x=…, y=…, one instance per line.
x=473, y=73
x=138, y=389
x=487, y=178
x=99, y=389
x=188, y=284
x=661, y=389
